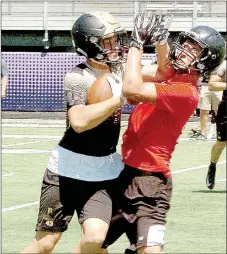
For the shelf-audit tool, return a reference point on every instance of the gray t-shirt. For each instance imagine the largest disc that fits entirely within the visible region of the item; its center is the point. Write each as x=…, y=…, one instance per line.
x=4, y=70
x=221, y=71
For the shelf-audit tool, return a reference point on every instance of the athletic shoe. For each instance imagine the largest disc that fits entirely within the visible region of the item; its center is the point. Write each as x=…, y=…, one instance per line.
x=210, y=179
x=201, y=137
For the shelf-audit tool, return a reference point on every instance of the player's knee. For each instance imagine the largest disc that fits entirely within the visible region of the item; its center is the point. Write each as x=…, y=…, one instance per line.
x=94, y=231
x=95, y=238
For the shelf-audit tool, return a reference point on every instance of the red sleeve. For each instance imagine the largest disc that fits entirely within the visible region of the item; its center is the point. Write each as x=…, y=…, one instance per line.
x=179, y=99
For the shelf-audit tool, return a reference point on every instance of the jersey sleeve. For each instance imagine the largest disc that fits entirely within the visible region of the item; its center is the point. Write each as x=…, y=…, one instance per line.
x=221, y=70
x=75, y=89
x=180, y=100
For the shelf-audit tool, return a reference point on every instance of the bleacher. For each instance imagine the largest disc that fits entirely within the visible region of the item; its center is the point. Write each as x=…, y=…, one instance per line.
x=50, y=15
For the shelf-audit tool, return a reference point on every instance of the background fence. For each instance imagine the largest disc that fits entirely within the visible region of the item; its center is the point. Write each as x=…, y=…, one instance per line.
x=36, y=81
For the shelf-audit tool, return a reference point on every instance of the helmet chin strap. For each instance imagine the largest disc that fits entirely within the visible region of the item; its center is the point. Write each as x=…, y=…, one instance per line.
x=183, y=67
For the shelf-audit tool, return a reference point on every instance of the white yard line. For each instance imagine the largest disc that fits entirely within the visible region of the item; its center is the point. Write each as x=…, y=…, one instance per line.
x=18, y=207
x=10, y=174
x=175, y=172
x=58, y=137
x=21, y=125
x=31, y=136
x=195, y=168
x=32, y=142
x=194, y=139
x=221, y=180
x=42, y=125
x=20, y=151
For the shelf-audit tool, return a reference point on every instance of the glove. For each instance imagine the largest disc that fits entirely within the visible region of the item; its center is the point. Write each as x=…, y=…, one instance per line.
x=143, y=25
x=160, y=33
x=116, y=86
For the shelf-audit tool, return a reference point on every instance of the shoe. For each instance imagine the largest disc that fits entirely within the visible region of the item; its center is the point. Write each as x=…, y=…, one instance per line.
x=201, y=137
x=210, y=179
x=194, y=132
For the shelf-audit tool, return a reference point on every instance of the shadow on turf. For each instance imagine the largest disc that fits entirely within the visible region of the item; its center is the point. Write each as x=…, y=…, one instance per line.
x=210, y=191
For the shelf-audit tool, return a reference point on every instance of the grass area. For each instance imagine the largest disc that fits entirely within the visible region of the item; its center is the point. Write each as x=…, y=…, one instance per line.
x=196, y=222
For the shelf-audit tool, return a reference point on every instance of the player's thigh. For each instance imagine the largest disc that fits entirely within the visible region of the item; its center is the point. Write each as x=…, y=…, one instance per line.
x=96, y=213
x=98, y=202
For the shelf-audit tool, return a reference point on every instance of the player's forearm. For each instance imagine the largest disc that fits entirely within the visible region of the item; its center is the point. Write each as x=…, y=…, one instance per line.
x=158, y=72
x=217, y=86
x=133, y=75
x=88, y=117
x=162, y=56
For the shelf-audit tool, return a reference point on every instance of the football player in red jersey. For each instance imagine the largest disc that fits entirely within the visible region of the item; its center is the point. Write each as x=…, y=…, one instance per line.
x=166, y=99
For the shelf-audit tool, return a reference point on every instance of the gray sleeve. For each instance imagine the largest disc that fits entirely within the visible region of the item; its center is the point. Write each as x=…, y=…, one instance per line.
x=4, y=71
x=75, y=89
x=221, y=70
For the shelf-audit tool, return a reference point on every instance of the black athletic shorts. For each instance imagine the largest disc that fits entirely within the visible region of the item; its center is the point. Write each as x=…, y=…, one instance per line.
x=221, y=121
x=61, y=196
x=144, y=203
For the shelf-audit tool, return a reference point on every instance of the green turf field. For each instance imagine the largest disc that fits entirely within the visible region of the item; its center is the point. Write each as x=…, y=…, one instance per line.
x=196, y=221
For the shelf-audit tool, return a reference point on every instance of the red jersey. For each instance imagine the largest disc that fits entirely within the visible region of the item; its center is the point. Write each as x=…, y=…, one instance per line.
x=153, y=130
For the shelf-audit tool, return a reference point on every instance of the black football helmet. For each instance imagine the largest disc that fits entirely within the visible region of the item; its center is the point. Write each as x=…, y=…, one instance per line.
x=92, y=27
x=212, y=44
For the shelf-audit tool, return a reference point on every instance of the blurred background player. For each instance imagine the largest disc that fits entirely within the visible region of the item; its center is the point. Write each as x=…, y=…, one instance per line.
x=81, y=171
x=217, y=82
x=4, y=77
x=208, y=101
x=166, y=100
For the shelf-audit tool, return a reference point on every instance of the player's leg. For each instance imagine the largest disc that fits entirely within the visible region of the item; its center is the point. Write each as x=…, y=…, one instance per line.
x=53, y=217
x=44, y=242
x=205, y=106
x=95, y=217
x=216, y=152
x=149, y=195
x=218, y=147
x=204, y=115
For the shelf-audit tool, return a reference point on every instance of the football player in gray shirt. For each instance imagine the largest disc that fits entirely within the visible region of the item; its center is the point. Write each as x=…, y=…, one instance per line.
x=82, y=169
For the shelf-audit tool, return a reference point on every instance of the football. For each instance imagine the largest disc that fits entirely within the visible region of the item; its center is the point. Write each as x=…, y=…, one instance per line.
x=100, y=90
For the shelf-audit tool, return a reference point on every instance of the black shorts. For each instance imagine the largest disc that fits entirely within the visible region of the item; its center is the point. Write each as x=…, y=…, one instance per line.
x=144, y=204
x=221, y=121
x=61, y=196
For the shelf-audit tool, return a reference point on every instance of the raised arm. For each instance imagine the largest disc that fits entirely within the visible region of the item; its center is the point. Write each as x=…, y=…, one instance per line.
x=134, y=88
x=136, y=85
x=159, y=39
